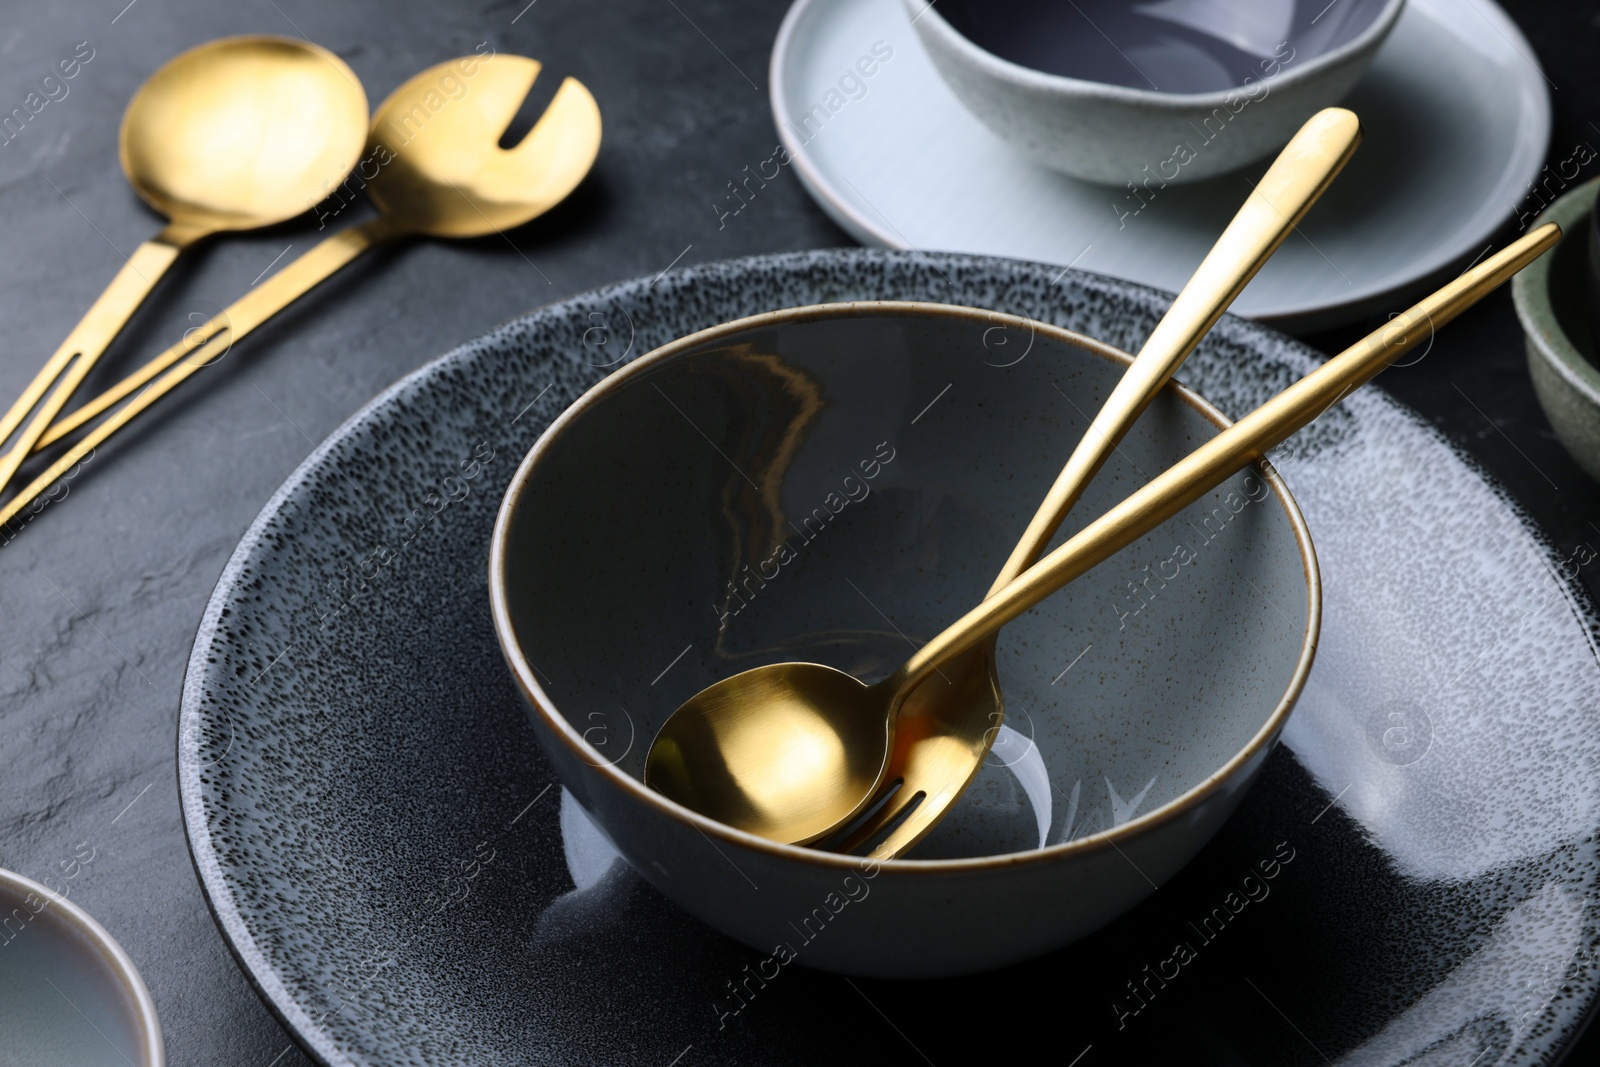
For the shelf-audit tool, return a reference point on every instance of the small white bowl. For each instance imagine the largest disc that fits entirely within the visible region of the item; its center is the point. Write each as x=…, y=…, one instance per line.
x=68, y=992
x=1092, y=127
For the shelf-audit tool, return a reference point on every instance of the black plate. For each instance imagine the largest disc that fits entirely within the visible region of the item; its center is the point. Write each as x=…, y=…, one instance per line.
x=400, y=876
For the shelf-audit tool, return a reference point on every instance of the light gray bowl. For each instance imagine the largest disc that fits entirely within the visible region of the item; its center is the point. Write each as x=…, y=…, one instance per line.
x=1550, y=299
x=69, y=994
x=836, y=484
x=1150, y=94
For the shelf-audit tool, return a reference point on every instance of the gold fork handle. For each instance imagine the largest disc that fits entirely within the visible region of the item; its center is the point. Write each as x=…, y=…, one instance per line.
x=1221, y=457
x=91, y=337
x=1297, y=178
x=375, y=233
x=204, y=345
x=1301, y=173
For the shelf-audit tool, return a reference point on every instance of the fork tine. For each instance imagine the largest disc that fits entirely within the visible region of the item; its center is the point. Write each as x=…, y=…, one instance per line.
x=936, y=752
x=914, y=827
x=905, y=830
x=558, y=152
x=884, y=803
x=875, y=822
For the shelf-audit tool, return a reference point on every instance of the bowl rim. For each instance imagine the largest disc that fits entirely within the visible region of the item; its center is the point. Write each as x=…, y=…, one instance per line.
x=1113, y=837
x=153, y=1050
x=1024, y=77
x=1530, y=294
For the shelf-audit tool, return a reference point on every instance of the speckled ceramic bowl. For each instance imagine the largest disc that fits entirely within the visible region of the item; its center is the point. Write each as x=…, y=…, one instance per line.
x=836, y=484
x=1550, y=296
x=1150, y=94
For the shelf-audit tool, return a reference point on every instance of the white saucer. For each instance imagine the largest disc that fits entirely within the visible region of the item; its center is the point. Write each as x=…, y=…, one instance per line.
x=1457, y=122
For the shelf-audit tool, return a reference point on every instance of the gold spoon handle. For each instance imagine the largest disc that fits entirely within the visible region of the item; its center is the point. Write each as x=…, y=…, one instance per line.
x=199, y=348
x=92, y=336
x=1219, y=458
x=1299, y=176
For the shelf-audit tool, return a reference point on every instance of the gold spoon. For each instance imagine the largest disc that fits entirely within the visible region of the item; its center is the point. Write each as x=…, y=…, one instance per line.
x=939, y=733
x=233, y=135
x=436, y=171
x=811, y=741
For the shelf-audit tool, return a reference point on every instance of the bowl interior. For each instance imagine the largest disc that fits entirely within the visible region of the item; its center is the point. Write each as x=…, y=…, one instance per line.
x=68, y=992
x=837, y=484
x=1171, y=46
x=1558, y=296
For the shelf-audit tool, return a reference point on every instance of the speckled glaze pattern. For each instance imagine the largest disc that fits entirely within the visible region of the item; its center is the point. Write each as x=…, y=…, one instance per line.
x=1413, y=878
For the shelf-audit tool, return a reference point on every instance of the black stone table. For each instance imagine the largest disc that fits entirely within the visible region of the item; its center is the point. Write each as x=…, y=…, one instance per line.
x=101, y=594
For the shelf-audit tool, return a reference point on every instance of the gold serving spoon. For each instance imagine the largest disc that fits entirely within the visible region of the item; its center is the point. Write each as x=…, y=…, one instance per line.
x=435, y=170
x=810, y=740
x=236, y=134
x=941, y=732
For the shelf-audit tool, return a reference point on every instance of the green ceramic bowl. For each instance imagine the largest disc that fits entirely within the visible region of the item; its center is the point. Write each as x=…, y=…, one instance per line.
x=1550, y=297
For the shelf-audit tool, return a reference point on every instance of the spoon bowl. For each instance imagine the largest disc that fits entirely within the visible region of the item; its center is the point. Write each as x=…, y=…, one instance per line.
x=815, y=755
x=243, y=132
x=835, y=741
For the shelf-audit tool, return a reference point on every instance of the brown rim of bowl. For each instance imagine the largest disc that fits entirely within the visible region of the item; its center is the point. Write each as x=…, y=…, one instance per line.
x=1113, y=837
x=112, y=954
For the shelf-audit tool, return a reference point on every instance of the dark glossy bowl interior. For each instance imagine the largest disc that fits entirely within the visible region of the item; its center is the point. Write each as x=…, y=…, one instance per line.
x=1171, y=46
x=839, y=485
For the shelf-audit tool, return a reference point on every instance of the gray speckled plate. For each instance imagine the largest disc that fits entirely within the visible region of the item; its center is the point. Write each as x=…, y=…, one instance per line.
x=1413, y=880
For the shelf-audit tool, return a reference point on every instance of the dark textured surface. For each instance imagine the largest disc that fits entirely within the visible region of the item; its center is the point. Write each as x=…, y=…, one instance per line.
x=102, y=594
